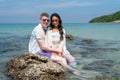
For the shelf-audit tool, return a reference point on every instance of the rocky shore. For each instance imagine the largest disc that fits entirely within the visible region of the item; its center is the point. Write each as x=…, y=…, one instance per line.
x=34, y=67
x=117, y=21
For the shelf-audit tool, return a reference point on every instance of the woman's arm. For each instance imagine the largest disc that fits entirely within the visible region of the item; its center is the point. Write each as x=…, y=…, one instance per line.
x=63, y=42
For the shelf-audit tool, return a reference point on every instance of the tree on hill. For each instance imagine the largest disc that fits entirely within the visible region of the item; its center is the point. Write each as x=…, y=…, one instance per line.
x=106, y=18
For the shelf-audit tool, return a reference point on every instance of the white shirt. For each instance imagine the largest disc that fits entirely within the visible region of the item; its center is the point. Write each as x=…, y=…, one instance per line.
x=37, y=33
x=49, y=39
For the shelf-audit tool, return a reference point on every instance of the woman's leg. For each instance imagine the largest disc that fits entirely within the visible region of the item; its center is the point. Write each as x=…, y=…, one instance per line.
x=63, y=62
x=68, y=56
x=70, y=59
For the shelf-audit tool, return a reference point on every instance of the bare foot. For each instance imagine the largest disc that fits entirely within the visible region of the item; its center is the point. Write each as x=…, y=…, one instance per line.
x=77, y=73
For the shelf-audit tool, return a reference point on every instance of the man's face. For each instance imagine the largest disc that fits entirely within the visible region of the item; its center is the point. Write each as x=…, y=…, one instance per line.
x=44, y=21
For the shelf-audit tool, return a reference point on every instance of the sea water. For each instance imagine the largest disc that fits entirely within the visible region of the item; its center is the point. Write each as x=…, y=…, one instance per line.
x=86, y=30
x=96, y=47
x=94, y=31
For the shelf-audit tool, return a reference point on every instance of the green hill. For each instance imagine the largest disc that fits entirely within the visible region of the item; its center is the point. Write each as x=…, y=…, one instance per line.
x=106, y=18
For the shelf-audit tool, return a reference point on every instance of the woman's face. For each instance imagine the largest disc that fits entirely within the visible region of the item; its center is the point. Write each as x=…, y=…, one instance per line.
x=55, y=21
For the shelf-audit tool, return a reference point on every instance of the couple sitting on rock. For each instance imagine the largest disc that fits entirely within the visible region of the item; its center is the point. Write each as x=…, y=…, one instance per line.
x=51, y=42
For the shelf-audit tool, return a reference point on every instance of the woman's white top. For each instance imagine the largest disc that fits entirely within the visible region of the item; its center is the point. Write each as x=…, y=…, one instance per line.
x=55, y=36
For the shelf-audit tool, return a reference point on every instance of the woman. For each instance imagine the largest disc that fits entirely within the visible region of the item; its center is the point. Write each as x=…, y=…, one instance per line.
x=55, y=37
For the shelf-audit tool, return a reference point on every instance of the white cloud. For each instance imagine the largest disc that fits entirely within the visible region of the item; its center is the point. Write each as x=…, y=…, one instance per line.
x=67, y=4
x=85, y=4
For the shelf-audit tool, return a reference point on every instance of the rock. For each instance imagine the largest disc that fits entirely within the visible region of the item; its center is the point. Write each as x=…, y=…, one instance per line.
x=88, y=41
x=101, y=66
x=34, y=67
x=69, y=37
x=117, y=21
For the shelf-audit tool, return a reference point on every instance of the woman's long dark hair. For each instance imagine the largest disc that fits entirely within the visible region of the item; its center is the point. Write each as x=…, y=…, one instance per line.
x=60, y=27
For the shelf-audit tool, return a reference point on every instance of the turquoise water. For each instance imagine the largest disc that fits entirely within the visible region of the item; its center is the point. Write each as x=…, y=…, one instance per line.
x=85, y=30
x=95, y=31
x=17, y=29
x=96, y=47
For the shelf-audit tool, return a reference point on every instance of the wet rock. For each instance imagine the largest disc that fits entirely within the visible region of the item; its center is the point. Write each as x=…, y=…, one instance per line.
x=88, y=41
x=102, y=66
x=111, y=76
x=34, y=67
x=69, y=37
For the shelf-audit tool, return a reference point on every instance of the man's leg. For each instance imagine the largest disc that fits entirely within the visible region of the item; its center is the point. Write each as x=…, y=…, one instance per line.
x=44, y=53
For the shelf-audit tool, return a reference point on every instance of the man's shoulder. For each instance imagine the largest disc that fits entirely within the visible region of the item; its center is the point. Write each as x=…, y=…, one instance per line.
x=38, y=27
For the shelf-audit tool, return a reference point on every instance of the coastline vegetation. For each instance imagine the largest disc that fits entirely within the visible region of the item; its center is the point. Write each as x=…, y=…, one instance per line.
x=115, y=17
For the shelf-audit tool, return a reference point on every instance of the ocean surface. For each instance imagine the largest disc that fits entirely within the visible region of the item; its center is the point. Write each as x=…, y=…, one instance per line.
x=96, y=48
x=85, y=30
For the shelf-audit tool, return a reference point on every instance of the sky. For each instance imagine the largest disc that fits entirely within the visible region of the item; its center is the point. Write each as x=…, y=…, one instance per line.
x=71, y=11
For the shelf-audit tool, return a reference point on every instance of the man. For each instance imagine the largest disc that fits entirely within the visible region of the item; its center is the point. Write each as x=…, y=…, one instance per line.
x=37, y=40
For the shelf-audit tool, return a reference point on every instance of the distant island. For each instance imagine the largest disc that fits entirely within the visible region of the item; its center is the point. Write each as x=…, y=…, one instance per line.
x=111, y=18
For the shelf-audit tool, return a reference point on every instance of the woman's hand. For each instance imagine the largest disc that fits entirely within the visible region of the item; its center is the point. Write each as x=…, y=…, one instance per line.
x=59, y=50
x=59, y=54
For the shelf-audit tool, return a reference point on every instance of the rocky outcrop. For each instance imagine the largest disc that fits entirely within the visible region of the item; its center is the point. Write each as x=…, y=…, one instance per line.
x=69, y=37
x=88, y=41
x=34, y=67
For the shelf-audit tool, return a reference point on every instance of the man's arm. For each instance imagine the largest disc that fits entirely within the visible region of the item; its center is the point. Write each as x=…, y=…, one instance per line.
x=42, y=45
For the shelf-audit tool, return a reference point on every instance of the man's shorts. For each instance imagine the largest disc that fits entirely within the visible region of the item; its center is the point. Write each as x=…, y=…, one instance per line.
x=44, y=53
